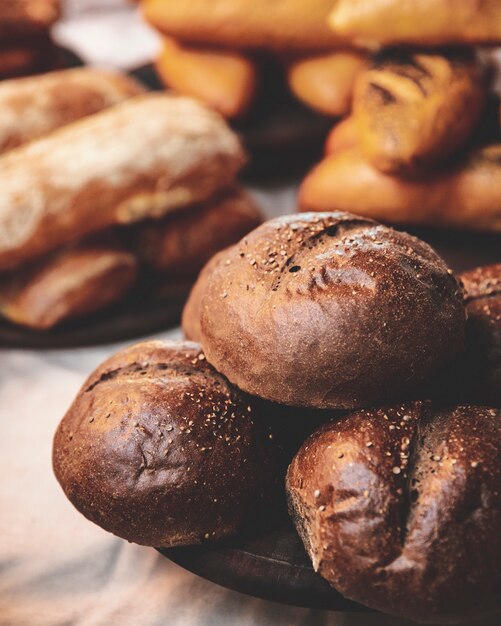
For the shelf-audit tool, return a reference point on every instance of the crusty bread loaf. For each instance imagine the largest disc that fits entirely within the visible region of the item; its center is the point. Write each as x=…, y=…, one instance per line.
x=467, y=196
x=414, y=110
x=70, y=284
x=180, y=244
x=226, y=80
x=325, y=82
x=423, y=22
x=26, y=17
x=32, y=107
x=399, y=508
x=281, y=24
x=140, y=159
x=330, y=310
x=159, y=449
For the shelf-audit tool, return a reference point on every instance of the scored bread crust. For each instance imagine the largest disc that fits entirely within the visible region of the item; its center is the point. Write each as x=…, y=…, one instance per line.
x=142, y=158
x=399, y=508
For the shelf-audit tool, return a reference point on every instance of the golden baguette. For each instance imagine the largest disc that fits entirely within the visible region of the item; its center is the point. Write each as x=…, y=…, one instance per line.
x=466, y=197
x=72, y=284
x=225, y=80
x=413, y=110
x=32, y=107
x=139, y=159
x=419, y=22
x=325, y=82
x=280, y=24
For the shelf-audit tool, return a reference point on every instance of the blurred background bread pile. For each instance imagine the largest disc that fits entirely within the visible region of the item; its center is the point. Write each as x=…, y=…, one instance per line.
x=422, y=143
x=106, y=187
x=26, y=46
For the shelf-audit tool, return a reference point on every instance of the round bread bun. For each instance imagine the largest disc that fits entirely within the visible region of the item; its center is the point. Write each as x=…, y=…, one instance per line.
x=399, y=508
x=483, y=332
x=159, y=449
x=190, y=321
x=330, y=310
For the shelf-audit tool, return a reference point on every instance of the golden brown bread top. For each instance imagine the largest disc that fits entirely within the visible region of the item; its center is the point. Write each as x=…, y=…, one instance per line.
x=466, y=196
x=32, y=107
x=419, y=22
x=412, y=110
x=399, y=508
x=140, y=159
x=159, y=449
x=330, y=310
x=281, y=24
x=71, y=284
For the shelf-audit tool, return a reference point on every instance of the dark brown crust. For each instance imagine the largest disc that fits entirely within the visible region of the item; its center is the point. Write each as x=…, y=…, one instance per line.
x=400, y=509
x=180, y=245
x=330, y=310
x=160, y=450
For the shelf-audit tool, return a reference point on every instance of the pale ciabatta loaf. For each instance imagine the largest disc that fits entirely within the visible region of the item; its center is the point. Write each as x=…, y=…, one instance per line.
x=34, y=106
x=399, y=508
x=140, y=159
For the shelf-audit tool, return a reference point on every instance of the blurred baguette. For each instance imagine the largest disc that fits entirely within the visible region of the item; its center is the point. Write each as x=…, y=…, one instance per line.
x=139, y=159
x=32, y=107
x=466, y=197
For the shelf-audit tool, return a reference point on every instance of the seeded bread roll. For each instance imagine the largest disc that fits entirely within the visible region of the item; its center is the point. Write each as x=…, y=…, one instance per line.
x=34, y=106
x=157, y=448
x=399, y=508
x=179, y=245
x=483, y=332
x=139, y=159
x=330, y=310
x=68, y=285
x=191, y=312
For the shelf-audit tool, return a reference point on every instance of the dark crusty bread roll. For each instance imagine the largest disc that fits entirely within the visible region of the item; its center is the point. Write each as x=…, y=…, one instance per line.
x=281, y=24
x=70, y=284
x=139, y=159
x=34, y=106
x=180, y=244
x=27, y=17
x=330, y=310
x=413, y=110
x=191, y=312
x=160, y=450
x=399, y=508
x=483, y=332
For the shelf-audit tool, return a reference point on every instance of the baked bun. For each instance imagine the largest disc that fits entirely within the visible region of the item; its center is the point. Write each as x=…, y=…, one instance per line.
x=330, y=310
x=157, y=448
x=483, y=332
x=191, y=313
x=400, y=508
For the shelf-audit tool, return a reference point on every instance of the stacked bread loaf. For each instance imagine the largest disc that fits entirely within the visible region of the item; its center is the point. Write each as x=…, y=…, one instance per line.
x=104, y=185
x=326, y=317
x=217, y=51
x=25, y=43
x=422, y=143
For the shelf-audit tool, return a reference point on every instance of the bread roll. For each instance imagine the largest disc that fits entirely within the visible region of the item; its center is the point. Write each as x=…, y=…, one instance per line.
x=27, y=17
x=157, y=448
x=482, y=362
x=325, y=82
x=281, y=24
x=467, y=196
x=140, y=159
x=413, y=110
x=399, y=508
x=423, y=23
x=227, y=81
x=342, y=137
x=179, y=245
x=331, y=311
x=69, y=285
x=32, y=107
x=192, y=309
